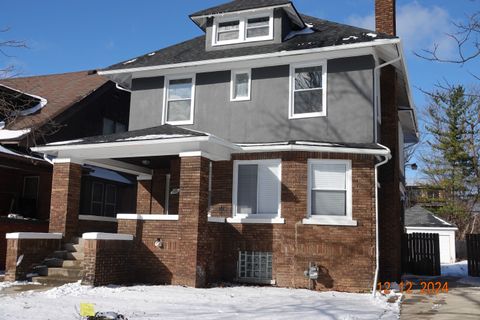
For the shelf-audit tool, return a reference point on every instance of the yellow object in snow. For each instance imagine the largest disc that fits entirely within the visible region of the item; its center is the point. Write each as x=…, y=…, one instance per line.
x=87, y=309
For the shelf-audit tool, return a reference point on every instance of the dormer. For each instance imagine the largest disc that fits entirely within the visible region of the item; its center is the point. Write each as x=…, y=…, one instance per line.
x=243, y=23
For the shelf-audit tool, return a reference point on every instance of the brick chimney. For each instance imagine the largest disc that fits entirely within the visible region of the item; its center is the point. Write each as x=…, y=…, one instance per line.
x=385, y=17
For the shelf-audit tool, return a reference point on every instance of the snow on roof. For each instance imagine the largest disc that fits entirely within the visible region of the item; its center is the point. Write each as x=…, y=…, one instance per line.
x=13, y=134
x=64, y=142
x=17, y=154
x=155, y=136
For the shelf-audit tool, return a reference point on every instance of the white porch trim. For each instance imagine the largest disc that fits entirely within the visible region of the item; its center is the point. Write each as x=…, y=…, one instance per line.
x=107, y=236
x=33, y=235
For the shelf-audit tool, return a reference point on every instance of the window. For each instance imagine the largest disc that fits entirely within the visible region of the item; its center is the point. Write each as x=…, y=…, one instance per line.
x=254, y=266
x=240, y=85
x=30, y=188
x=256, y=189
x=179, y=100
x=244, y=29
x=330, y=191
x=111, y=126
x=97, y=199
x=110, y=200
x=308, y=91
x=104, y=199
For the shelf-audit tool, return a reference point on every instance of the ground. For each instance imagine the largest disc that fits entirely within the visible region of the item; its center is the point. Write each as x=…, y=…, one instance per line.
x=173, y=302
x=461, y=302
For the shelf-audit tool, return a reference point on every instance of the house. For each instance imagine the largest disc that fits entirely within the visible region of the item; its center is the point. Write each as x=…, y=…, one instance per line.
x=267, y=150
x=419, y=219
x=44, y=109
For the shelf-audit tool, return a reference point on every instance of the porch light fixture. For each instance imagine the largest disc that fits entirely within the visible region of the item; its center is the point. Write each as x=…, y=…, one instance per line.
x=145, y=162
x=412, y=166
x=175, y=191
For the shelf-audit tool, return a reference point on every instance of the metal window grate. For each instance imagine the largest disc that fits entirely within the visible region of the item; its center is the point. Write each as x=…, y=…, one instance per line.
x=255, y=266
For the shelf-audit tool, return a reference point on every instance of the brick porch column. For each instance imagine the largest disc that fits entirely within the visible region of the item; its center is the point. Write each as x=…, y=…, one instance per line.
x=65, y=202
x=192, y=253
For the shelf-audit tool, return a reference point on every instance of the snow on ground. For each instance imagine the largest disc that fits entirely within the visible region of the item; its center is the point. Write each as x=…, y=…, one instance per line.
x=460, y=269
x=173, y=302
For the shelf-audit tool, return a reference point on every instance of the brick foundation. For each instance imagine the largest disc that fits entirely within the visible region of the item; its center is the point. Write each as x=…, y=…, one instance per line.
x=107, y=262
x=14, y=225
x=34, y=251
x=65, y=202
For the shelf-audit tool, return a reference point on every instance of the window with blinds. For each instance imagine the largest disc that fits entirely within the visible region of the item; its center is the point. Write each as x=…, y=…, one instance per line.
x=329, y=187
x=257, y=188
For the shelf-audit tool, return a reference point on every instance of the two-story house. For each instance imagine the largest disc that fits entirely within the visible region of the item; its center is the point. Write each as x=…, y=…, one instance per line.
x=267, y=150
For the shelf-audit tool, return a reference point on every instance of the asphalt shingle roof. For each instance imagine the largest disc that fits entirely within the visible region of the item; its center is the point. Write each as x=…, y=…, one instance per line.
x=239, y=5
x=417, y=216
x=326, y=33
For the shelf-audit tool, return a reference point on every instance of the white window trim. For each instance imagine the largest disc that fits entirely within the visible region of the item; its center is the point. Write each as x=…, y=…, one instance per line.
x=165, y=98
x=233, y=83
x=256, y=218
x=346, y=220
x=242, y=36
x=291, y=115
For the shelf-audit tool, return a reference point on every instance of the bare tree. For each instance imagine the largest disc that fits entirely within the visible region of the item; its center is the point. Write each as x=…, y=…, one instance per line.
x=8, y=70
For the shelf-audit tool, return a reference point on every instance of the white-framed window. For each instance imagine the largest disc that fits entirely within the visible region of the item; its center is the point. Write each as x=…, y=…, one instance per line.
x=179, y=99
x=240, y=85
x=243, y=28
x=308, y=90
x=257, y=189
x=329, y=192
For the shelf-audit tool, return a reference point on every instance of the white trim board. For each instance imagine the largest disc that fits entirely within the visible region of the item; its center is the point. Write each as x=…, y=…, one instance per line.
x=153, y=217
x=107, y=236
x=33, y=235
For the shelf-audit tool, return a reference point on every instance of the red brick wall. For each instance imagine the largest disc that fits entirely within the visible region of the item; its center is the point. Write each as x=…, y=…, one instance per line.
x=385, y=19
x=34, y=251
x=65, y=203
x=12, y=225
x=96, y=226
x=144, y=198
x=107, y=262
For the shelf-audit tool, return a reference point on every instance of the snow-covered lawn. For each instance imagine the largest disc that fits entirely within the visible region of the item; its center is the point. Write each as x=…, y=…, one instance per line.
x=460, y=269
x=173, y=302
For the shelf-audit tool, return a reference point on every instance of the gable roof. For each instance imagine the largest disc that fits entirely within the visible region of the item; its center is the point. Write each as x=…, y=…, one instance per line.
x=60, y=90
x=323, y=33
x=417, y=216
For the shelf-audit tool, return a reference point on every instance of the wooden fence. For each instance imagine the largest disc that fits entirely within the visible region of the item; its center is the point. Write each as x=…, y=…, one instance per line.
x=421, y=254
x=473, y=254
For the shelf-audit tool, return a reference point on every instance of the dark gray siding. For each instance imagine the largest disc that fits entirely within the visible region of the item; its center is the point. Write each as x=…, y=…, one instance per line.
x=265, y=117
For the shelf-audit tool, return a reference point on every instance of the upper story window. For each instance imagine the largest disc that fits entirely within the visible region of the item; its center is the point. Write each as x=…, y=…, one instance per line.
x=179, y=100
x=308, y=96
x=241, y=84
x=245, y=28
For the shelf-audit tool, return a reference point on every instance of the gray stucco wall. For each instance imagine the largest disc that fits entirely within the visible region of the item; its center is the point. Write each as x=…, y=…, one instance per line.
x=265, y=117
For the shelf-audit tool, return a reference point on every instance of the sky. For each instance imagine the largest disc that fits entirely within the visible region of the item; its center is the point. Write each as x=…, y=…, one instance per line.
x=65, y=36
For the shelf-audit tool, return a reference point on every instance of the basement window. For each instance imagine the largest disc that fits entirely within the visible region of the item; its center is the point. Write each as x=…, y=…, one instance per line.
x=255, y=266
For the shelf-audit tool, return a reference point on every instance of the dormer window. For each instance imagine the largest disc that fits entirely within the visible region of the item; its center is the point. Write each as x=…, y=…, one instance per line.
x=246, y=28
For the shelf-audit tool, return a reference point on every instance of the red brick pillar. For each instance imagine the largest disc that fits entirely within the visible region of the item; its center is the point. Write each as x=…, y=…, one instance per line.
x=390, y=210
x=65, y=202
x=192, y=253
x=144, y=196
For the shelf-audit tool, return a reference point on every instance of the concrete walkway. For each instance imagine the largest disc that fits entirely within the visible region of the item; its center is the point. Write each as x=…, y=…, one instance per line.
x=462, y=302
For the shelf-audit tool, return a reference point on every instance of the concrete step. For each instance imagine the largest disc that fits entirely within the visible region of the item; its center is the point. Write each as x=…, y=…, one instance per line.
x=72, y=264
x=54, y=281
x=71, y=247
x=74, y=256
x=53, y=262
x=75, y=273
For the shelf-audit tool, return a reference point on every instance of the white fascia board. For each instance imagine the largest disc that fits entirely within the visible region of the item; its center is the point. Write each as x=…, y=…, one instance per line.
x=121, y=166
x=107, y=236
x=337, y=51
x=432, y=229
x=279, y=148
x=239, y=12
x=152, y=217
x=87, y=217
x=34, y=235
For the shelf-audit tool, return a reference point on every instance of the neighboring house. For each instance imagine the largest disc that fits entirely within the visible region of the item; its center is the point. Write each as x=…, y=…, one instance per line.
x=426, y=196
x=44, y=109
x=419, y=219
x=256, y=147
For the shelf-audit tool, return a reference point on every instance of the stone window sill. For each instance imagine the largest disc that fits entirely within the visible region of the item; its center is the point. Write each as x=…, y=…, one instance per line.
x=256, y=220
x=331, y=221
x=156, y=217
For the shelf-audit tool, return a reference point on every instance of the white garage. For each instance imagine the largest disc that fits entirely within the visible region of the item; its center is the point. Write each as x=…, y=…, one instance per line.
x=419, y=219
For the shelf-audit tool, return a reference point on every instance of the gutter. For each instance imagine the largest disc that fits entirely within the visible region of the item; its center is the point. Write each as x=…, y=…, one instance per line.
x=377, y=238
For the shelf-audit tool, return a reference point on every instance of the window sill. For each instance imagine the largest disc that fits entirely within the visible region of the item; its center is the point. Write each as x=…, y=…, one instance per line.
x=154, y=217
x=216, y=219
x=331, y=221
x=307, y=115
x=256, y=220
x=179, y=123
x=86, y=217
x=239, y=99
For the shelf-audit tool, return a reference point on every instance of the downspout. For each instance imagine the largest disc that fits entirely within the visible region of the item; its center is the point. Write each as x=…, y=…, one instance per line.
x=377, y=245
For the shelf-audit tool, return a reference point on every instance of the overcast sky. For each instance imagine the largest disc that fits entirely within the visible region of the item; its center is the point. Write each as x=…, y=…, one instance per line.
x=68, y=36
